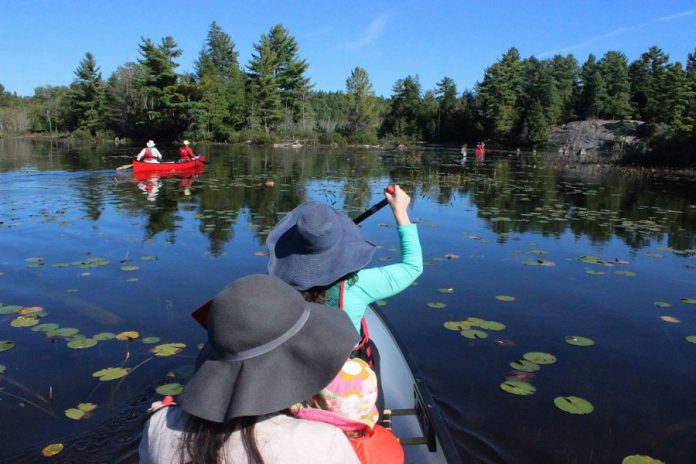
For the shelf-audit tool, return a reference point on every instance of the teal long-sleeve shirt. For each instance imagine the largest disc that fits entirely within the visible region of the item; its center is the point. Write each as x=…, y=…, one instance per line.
x=381, y=282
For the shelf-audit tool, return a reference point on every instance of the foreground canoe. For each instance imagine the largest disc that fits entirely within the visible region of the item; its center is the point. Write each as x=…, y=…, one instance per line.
x=415, y=418
x=141, y=166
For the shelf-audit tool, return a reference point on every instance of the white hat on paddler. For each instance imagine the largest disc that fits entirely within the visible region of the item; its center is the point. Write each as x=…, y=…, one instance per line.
x=150, y=144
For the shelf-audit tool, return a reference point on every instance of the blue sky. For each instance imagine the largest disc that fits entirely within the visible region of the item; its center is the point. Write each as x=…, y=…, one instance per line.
x=42, y=42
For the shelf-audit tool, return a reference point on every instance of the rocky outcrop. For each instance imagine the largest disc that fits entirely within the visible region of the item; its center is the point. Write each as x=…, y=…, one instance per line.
x=598, y=140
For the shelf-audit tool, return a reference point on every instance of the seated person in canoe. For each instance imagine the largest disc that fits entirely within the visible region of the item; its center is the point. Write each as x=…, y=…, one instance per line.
x=186, y=153
x=149, y=154
x=267, y=349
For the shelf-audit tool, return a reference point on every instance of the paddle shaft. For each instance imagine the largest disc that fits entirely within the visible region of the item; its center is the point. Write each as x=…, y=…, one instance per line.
x=201, y=314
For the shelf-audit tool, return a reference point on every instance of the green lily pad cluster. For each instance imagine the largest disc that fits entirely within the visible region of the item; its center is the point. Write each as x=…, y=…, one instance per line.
x=471, y=327
x=90, y=263
x=82, y=411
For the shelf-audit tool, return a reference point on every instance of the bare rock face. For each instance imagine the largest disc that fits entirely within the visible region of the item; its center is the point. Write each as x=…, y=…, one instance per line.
x=598, y=140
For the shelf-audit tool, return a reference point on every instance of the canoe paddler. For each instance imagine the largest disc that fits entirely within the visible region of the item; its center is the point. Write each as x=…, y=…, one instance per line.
x=186, y=153
x=149, y=154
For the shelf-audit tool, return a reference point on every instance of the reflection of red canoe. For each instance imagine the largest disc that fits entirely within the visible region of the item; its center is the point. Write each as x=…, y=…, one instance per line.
x=197, y=164
x=187, y=174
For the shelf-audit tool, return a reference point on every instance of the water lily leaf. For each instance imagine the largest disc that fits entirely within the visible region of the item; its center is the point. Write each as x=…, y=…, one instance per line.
x=61, y=265
x=80, y=344
x=104, y=336
x=452, y=325
x=505, y=298
x=385, y=258
x=2, y=369
x=491, y=325
x=653, y=255
x=169, y=389
x=6, y=345
x=473, y=334
x=33, y=260
x=671, y=319
x=539, y=357
x=74, y=413
x=518, y=388
x=64, y=332
x=593, y=272
x=437, y=305
x=24, y=321
x=381, y=302
x=525, y=366
x=261, y=253
x=451, y=256
x=127, y=335
x=662, y=304
x=132, y=279
x=10, y=309
x=640, y=459
x=130, y=268
x=150, y=340
x=538, y=252
x=446, y=290
x=591, y=260
x=52, y=449
x=149, y=258
x=626, y=273
x=87, y=407
x=31, y=310
x=688, y=300
x=573, y=404
x=691, y=338
x=579, y=341
x=110, y=373
x=168, y=349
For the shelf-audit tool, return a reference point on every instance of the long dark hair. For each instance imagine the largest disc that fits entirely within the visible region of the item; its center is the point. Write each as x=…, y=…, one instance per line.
x=318, y=294
x=203, y=440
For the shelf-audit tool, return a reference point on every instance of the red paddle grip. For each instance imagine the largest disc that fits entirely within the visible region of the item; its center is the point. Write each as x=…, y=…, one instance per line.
x=390, y=189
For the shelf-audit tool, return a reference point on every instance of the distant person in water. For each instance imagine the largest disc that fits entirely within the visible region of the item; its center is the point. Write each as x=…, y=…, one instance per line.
x=149, y=154
x=186, y=153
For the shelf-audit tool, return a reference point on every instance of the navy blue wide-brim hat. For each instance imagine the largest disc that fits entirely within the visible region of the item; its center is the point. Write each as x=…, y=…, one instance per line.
x=267, y=349
x=315, y=245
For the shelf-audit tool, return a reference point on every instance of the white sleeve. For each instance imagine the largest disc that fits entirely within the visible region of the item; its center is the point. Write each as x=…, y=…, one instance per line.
x=140, y=155
x=156, y=153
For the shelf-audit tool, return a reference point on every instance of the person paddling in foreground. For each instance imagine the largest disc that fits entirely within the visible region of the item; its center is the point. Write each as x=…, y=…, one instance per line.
x=149, y=154
x=348, y=402
x=320, y=252
x=186, y=153
x=267, y=349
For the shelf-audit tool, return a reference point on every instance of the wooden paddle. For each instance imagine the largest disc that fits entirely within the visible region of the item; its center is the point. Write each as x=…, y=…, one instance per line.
x=201, y=314
x=125, y=166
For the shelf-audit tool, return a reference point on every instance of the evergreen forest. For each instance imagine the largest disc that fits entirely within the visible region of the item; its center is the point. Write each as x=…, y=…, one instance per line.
x=518, y=102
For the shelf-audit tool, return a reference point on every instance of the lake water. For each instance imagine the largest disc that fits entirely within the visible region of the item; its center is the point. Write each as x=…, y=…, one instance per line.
x=584, y=251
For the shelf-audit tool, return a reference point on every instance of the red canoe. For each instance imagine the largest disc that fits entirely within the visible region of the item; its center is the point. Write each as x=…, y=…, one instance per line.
x=197, y=164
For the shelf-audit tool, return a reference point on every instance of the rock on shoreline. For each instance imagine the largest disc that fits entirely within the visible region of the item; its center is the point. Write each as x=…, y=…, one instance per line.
x=598, y=140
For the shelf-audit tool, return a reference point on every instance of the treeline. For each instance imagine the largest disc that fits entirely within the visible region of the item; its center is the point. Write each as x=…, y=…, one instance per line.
x=517, y=102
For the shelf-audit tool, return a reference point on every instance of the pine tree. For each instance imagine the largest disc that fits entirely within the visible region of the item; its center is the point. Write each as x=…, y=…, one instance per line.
x=679, y=97
x=446, y=94
x=498, y=94
x=361, y=108
x=565, y=72
x=647, y=76
x=86, y=97
x=264, y=86
x=593, y=90
x=403, y=117
x=614, y=69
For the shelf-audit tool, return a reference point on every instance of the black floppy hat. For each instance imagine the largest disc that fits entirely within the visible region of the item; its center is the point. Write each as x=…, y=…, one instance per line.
x=267, y=349
x=315, y=245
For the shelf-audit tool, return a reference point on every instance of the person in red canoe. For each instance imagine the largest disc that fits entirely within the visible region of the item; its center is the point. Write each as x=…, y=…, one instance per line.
x=150, y=154
x=186, y=153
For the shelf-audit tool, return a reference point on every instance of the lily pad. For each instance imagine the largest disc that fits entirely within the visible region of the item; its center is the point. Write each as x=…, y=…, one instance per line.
x=169, y=389
x=132, y=279
x=539, y=357
x=539, y=262
x=10, y=309
x=518, y=388
x=446, y=290
x=110, y=373
x=591, y=260
x=491, y=325
x=24, y=321
x=626, y=273
x=437, y=305
x=573, y=404
x=168, y=349
x=451, y=256
x=31, y=310
x=127, y=335
x=6, y=345
x=691, y=339
x=33, y=260
x=149, y=258
x=593, y=272
x=579, y=341
x=80, y=344
x=130, y=268
x=505, y=298
x=473, y=333
x=525, y=366
x=87, y=407
x=52, y=449
x=671, y=319
x=64, y=332
x=2, y=369
x=688, y=300
x=102, y=336
x=662, y=304
x=74, y=413
x=653, y=255
x=45, y=327
x=453, y=325
x=150, y=340
x=640, y=459
x=538, y=252
x=381, y=302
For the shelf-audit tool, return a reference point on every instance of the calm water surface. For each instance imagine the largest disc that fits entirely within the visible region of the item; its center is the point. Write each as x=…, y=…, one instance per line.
x=583, y=250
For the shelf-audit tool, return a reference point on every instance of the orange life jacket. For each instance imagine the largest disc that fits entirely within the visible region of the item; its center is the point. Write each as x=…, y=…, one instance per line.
x=378, y=446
